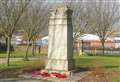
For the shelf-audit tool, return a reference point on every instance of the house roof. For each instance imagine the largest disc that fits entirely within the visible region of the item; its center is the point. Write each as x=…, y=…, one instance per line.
x=89, y=37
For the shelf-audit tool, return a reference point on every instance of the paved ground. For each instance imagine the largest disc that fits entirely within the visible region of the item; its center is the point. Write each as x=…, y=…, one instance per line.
x=28, y=78
x=18, y=80
x=3, y=60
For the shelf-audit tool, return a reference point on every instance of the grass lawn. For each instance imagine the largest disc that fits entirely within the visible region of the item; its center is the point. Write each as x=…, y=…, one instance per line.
x=109, y=62
x=20, y=67
x=16, y=54
x=112, y=63
x=116, y=80
x=102, y=63
x=21, y=64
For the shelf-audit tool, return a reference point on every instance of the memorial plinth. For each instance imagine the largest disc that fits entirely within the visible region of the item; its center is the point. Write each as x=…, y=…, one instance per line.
x=60, y=47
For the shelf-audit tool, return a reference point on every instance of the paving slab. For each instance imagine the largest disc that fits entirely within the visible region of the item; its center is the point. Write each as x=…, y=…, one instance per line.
x=76, y=77
x=21, y=80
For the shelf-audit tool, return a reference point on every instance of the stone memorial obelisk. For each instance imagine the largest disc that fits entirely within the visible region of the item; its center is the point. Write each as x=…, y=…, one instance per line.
x=60, y=47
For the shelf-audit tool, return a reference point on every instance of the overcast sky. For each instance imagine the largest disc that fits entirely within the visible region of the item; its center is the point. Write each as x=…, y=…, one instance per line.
x=78, y=0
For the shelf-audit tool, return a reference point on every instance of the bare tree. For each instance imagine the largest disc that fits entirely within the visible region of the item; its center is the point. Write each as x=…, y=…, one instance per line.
x=80, y=19
x=104, y=15
x=34, y=22
x=0, y=35
x=10, y=14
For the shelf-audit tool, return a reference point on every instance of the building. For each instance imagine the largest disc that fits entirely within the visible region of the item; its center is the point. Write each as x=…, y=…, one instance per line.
x=116, y=40
x=90, y=41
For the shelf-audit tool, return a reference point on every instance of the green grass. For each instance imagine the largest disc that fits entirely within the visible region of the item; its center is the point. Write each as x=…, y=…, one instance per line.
x=21, y=64
x=116, y=79
x=109, y=62
x=17, y=54
x=112, y=63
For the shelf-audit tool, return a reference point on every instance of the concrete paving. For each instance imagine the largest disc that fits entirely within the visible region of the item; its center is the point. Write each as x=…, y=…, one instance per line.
x=19, y=80
x=76, y=77
x=28, y=78
x=3, y=60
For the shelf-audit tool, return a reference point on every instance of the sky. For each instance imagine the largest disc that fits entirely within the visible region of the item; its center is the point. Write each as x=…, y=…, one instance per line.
x=79, y=0
x=59, y=1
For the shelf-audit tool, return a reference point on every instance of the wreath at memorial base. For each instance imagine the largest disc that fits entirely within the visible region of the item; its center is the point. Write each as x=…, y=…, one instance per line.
x=53, y=74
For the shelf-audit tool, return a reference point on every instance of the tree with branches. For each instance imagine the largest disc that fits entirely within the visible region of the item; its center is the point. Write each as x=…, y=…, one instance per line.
x=11, y=12
x=80, y=20
x=35, y=20
x=104, y=15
